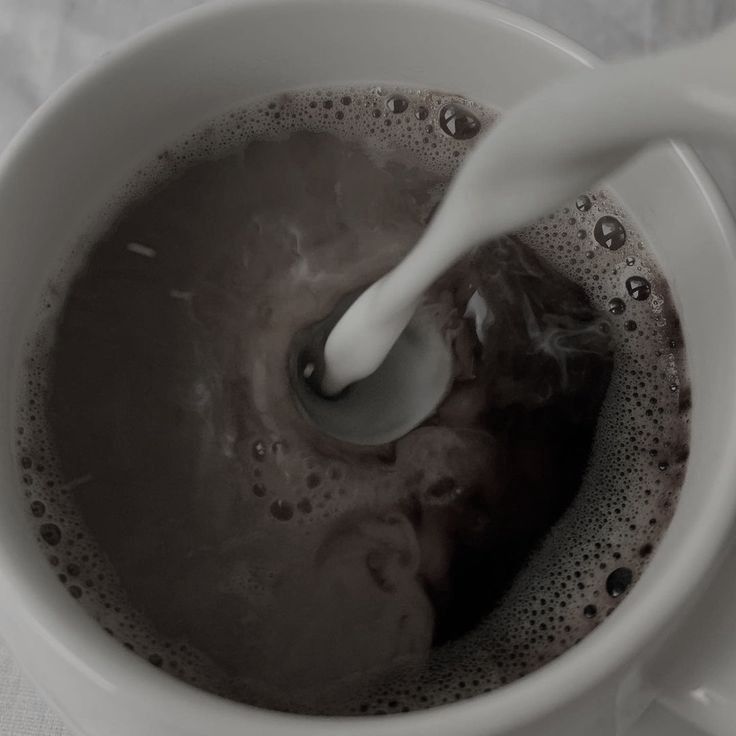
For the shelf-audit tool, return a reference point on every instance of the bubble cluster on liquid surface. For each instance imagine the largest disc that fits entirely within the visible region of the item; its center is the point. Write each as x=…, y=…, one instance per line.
x=596, y=551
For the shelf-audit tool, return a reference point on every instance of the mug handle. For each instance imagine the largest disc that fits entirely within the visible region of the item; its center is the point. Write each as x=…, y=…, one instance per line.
x=696, y=677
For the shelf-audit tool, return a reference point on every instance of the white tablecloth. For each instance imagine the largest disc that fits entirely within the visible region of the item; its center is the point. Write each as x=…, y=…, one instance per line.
x=44, y=42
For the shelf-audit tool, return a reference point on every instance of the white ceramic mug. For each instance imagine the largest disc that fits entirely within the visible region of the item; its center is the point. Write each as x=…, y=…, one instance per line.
x=82, y=145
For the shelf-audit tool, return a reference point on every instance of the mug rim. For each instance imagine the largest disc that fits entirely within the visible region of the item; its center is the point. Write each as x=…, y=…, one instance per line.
x=580, y=668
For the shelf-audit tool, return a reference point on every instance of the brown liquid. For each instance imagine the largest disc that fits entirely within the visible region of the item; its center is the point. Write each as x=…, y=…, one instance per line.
x=313, y=573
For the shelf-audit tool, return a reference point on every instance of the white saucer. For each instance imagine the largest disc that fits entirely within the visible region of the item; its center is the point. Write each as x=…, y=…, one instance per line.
x=658, y=721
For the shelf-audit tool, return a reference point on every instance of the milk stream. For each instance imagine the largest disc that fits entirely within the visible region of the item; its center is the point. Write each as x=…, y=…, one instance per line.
x=593, y=123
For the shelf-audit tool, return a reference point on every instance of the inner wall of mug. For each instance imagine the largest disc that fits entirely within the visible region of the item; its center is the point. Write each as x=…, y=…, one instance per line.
x=72, y=165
